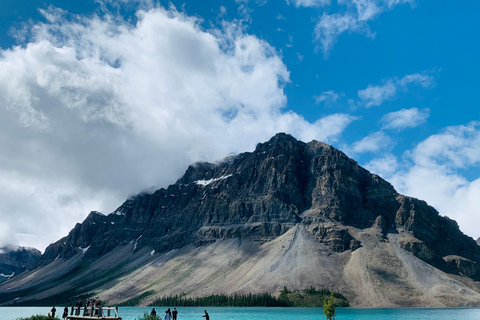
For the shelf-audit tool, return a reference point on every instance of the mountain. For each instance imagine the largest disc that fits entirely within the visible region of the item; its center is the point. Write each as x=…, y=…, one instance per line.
x=289, y=214
x=13, y=262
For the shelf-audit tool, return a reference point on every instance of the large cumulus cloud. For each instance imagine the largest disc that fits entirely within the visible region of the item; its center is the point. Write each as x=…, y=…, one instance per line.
x=95, y=108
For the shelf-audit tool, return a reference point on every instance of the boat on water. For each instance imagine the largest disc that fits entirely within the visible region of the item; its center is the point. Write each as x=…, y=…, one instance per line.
x=93, y=312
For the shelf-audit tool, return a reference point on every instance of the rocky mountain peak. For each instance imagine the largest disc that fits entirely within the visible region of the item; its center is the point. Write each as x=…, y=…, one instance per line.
x=282, y=189
x=281, y=141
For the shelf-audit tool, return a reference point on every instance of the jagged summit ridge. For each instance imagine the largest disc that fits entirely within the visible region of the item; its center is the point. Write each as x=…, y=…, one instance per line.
x=281, y=183
x=285, y=190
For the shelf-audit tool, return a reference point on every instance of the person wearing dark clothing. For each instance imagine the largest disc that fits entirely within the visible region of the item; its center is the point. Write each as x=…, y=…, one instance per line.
x=153, y=313
x=53, y=311
x=65, y=313
x=207, y=317
x=79, y=306
x=174, y=313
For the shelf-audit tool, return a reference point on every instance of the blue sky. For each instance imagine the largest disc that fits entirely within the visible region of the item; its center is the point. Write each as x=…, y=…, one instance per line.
x=102, y=99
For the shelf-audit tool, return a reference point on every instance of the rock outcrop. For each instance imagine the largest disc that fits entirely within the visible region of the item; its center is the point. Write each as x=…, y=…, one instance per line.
x=255, y=199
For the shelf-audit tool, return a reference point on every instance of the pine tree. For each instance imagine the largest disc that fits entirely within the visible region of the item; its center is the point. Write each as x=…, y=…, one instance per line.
x=329, y=307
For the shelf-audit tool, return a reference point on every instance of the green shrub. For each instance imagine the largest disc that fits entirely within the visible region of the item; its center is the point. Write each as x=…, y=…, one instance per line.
x=39, y=317
x=147, y=316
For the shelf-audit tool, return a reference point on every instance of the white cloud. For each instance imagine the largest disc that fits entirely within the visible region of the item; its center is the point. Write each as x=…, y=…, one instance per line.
x=422, y=79
x=7, y=237
x=366, y=9
x=223, y=10
x=353, y=18
x=433, y=175
x=455, y=147
x=330, y=26
x=327, y=96
x=330, y=127
x=374, y=142
x=376, y=95
x=393, y=3
x=89, y=110
x=309, y=3
x=384, y=167
x=405, y=118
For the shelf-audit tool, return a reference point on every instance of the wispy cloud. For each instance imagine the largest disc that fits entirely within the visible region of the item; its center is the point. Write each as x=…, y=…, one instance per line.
x=352, y=16
x=330, y=26
x=327, y=96
x=309, y=3
x=405, y=118
x=422, y=79
x=374, y=142
x=375, y=95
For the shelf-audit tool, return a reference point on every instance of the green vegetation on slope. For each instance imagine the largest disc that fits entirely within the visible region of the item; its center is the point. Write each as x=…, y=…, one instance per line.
x=222, y=300
x=310, y=297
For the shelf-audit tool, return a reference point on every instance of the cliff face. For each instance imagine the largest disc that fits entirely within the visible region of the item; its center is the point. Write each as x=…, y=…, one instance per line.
x=264, y=196
x=14, y=262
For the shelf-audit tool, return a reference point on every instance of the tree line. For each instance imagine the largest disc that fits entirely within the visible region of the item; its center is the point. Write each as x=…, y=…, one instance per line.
x=223, y=300
x=310, y=297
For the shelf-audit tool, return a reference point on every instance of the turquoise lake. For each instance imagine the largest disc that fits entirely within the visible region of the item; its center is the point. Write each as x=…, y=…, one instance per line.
x=233, y=313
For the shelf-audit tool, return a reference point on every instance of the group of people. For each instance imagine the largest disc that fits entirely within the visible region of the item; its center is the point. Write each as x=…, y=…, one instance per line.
x=90, y=304
x=54, y=310
x=93, y=302
x=172, y=315
x=169, y=315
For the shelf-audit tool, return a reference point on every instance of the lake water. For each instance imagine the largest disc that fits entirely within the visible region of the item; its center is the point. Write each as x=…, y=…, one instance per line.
x=234, y=313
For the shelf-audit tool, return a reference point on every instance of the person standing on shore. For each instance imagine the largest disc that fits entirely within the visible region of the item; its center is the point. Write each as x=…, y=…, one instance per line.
x=174, y=313
x=53, y=311
x=65, y=312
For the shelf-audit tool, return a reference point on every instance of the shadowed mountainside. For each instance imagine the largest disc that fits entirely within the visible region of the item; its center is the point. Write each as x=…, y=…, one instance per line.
x=16, y=261
x=288, y=214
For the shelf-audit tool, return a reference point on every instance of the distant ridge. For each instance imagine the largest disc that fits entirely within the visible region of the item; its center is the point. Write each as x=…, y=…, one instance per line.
x=15, y=261
x=289, y=214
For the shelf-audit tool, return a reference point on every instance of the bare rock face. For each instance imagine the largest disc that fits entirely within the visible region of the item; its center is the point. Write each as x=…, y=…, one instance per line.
x=15, y=261
x=261, y=196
